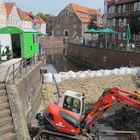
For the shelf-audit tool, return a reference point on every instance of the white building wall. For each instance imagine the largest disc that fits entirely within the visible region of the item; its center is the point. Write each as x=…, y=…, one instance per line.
x=27, y=24
x=13, y=18
x=3, y=16
x=43, y=28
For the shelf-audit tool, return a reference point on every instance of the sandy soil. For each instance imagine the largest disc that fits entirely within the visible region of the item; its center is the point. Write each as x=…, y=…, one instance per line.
x=92, y=87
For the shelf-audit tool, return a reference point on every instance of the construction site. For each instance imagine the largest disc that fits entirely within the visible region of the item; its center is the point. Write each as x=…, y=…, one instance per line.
x=119, y=122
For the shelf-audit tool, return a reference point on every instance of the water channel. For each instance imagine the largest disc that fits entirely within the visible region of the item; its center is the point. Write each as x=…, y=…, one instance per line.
x=59, y=63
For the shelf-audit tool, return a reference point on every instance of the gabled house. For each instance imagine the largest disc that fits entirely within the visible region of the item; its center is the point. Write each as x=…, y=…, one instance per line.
x=26, y=20
x=73, y=20
x=12, y=14
x=39, y=25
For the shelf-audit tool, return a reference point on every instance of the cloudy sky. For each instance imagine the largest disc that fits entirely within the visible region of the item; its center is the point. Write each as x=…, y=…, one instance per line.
x=54, y=6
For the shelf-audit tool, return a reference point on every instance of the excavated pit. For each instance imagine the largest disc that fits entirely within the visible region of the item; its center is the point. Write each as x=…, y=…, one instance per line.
x=93, y=88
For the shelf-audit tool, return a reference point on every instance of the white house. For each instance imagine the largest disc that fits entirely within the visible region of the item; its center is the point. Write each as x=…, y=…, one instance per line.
x=12, y=14
x=26, y=19
x=39, y=25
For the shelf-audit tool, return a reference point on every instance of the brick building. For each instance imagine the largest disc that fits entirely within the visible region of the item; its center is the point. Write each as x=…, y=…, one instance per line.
x=118, y=12
x=73, y=20
x=50, y=23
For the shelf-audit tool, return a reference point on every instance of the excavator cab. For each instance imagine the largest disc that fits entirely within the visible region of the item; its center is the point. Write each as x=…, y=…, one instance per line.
x=72, y=101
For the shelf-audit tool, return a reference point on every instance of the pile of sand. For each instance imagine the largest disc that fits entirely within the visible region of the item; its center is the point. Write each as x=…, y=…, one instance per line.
x=92, y=87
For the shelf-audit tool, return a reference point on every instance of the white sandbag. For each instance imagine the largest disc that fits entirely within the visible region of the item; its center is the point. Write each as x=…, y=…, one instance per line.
x=88, y=73
x=136, y=70
x=71, y=74
x=106, y=72
x=122, y=71
x=92, y=74
x=80, y=74
x=64, y=76
x=115, y=72
x=129, y=71
x=47, y=78
x=98, y=73
x=57, y=78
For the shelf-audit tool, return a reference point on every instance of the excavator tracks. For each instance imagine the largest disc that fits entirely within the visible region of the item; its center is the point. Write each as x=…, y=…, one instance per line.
x=44, y=134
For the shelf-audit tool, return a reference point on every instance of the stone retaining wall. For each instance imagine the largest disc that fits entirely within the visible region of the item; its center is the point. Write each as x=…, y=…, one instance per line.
x=97, y=58
x=25, y=99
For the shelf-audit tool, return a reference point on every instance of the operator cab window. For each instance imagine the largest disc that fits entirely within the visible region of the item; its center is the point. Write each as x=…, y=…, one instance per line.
x=72, y=104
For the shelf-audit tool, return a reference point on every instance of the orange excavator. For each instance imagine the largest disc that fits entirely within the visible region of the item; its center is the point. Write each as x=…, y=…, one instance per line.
x=66, y=117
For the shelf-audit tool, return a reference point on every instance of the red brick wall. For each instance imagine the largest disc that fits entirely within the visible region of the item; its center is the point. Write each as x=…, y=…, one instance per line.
x=103, y=58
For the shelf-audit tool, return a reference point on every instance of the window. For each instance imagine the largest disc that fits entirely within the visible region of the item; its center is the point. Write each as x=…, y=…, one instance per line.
x=58, y=19
x=114, y=21
x=120, y=22
x=135, y=6
x=72, y=104
x=66, y=33
x=124, y=8
x=119, y=35
x=124, y=22
x=119, y=9
x=34, y=38
x=124, y=35
x=66, y=13
x=138, y=6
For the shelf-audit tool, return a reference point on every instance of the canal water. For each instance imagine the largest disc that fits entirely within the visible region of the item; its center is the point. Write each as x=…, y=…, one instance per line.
x=59, y=63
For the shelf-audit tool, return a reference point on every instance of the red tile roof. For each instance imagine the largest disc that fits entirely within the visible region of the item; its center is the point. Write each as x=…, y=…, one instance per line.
x=83, y=13
x=39, y=20
x=24, y=15
x=9, y=7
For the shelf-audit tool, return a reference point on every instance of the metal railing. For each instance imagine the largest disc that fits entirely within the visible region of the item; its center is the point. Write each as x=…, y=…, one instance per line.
x=18, y=69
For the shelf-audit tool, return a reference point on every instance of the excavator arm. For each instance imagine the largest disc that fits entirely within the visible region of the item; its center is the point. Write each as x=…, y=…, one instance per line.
x=105, y=101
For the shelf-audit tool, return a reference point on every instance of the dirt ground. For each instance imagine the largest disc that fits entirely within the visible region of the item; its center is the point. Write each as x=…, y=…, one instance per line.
x=91, y=87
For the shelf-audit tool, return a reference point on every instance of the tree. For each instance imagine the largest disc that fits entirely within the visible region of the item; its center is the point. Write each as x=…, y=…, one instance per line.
x=92, y=24
x=134, y=23
x=43, y=16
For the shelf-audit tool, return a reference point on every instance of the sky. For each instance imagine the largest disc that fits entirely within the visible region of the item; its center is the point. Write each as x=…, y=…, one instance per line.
x=54, y=6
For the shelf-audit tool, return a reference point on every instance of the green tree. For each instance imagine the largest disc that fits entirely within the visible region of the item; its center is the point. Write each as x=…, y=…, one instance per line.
x=43, y=16
x=92, y=24
x=134, y=23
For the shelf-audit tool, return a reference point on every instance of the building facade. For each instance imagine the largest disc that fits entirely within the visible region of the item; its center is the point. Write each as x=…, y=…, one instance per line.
x=118, y=13
x=105, y=13
x=11, y=15
x=73, y=20
x=39, y=25
x=50, y=23
x=26, y=20
x=3, y=16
